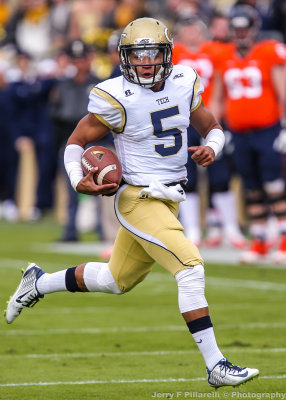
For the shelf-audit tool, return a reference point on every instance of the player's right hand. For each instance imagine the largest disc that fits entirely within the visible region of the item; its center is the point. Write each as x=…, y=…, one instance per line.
x=87, y=186
x=202, y=155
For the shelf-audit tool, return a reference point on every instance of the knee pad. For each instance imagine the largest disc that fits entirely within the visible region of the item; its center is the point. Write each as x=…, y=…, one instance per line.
x=191, y=288
x=98, y=278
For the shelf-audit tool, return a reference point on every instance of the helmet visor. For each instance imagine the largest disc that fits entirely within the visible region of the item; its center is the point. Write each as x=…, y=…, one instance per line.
x=141, y=54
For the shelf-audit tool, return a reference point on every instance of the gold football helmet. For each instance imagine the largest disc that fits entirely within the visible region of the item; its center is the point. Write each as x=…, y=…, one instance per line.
x=146, y=37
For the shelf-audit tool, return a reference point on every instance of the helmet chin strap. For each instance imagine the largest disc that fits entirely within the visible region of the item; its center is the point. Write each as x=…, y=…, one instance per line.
x=148, y=82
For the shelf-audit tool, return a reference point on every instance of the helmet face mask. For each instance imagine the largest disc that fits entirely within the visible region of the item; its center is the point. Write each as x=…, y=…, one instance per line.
x=146, y=42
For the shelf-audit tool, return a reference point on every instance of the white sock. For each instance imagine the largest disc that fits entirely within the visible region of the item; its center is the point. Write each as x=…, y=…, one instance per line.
x=190, y=216
x=226, y=204
x=207, y=345
x=49, y=283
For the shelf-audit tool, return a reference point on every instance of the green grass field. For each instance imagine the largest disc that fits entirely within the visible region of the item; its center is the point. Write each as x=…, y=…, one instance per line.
x=136, y=346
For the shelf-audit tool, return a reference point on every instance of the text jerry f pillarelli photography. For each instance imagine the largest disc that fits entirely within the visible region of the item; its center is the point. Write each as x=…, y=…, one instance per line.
x=219, y=394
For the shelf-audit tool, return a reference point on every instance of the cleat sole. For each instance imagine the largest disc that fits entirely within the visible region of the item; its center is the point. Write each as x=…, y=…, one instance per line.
x=239, y=384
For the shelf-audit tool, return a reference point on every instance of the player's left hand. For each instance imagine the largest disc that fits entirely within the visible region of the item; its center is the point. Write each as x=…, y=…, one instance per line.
x=88, y=186
x=203, y=155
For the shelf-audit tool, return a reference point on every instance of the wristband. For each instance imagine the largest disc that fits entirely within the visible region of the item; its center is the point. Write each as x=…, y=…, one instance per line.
x=215, y=139
x=72, y=160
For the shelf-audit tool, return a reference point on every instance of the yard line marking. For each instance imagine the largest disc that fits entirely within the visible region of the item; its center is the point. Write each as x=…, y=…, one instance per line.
x=274, y=377
x=115, y=381
x=74, y=310
x=137, y=353
x=135, y=329
x=92, y=330
x=83, y=248
x=225, y=282
x=246, y=284
x=105, y=309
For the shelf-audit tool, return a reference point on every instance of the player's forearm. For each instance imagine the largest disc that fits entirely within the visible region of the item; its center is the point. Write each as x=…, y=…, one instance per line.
x=72, y=161
x=204, y=121
x=88, y=130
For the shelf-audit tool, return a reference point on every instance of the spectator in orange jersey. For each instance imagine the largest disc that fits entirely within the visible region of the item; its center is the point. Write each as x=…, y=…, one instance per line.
x=193, y=50
x=252, y=78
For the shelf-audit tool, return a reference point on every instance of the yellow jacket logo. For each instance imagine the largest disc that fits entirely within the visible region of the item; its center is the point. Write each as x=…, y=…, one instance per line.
x=98, y=154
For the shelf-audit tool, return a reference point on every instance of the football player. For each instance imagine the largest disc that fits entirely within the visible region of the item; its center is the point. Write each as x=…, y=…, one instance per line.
x=148, y=109
x=252, y=82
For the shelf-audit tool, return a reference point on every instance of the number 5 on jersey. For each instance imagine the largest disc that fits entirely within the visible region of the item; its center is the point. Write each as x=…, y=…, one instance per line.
x=156, y=118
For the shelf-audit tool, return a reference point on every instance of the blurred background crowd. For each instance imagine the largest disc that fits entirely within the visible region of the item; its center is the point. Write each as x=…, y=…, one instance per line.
x=52, y=52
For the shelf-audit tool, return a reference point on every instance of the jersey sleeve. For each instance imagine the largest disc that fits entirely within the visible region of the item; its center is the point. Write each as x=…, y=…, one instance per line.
x=280, y=52
x=107, y=109
x=197, y=91
x=275, y=53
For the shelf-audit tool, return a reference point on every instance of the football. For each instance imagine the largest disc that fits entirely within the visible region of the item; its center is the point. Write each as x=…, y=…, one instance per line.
x=109, y=167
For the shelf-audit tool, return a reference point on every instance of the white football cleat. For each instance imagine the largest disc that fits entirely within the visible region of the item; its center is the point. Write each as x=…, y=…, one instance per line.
x=225, y=373
x=26, y=294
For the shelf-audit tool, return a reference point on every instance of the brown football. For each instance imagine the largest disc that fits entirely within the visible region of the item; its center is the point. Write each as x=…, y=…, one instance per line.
x=109, y=167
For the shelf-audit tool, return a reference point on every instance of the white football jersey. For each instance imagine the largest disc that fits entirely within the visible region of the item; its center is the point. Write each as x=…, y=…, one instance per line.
x=149, y=128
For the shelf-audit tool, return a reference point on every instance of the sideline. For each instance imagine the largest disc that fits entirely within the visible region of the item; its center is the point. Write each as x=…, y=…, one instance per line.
x=114, y=381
